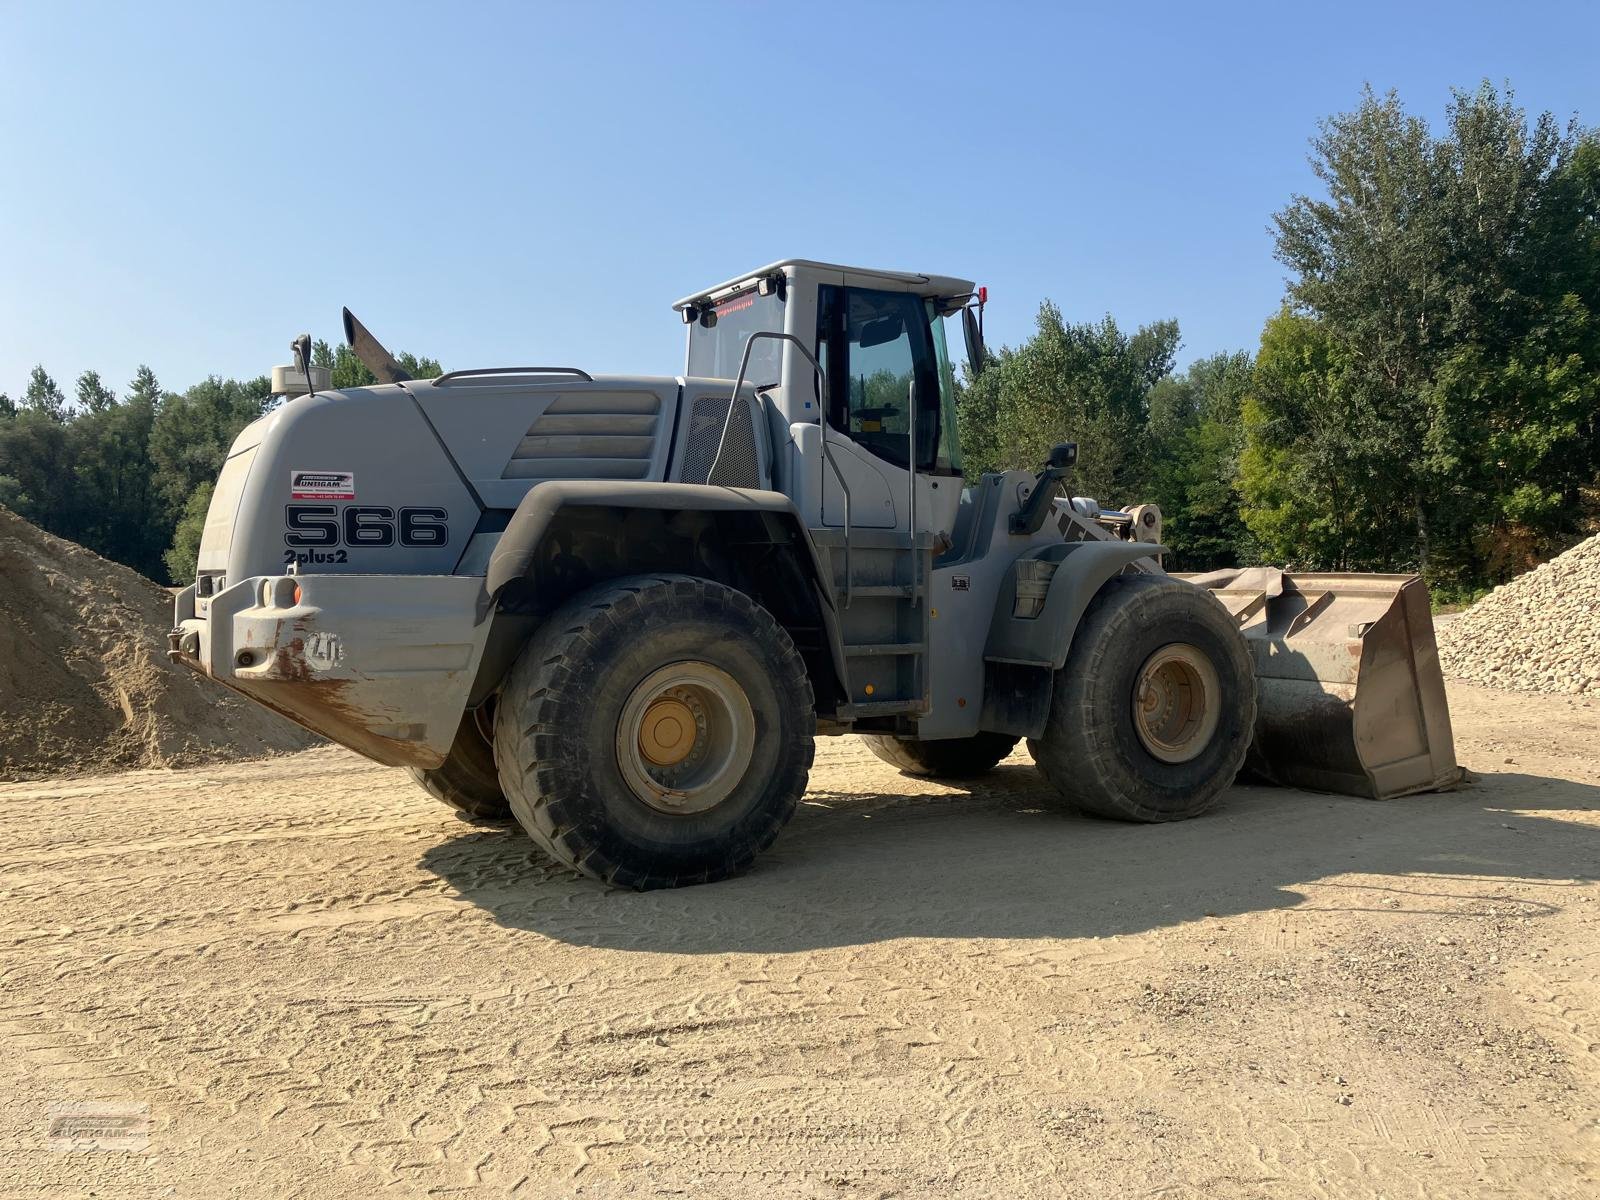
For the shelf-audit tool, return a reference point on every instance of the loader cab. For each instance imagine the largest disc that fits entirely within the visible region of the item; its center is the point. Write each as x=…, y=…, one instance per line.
x=880, y=338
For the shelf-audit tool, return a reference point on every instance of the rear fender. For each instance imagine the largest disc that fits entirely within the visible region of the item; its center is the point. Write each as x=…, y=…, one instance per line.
x=568, y=535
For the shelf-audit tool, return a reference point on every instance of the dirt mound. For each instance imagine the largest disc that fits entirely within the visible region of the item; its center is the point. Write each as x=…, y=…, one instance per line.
x=85, y=684
x=1538, y=633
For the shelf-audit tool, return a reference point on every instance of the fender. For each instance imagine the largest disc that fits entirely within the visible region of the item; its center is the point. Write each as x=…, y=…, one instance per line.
x=1083, y=568
x=515, y=552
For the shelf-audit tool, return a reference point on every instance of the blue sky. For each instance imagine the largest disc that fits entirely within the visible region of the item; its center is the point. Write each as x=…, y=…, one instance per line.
x=496, y=184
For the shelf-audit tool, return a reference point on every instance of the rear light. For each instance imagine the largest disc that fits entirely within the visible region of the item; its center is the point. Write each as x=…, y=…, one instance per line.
x=297, y=595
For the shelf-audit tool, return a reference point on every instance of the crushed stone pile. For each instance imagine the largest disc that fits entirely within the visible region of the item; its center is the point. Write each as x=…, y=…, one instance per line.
x=85, y=684
x=1538, y=633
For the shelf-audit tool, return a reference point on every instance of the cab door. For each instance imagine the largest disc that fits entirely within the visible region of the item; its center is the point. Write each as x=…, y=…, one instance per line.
x=878, y=351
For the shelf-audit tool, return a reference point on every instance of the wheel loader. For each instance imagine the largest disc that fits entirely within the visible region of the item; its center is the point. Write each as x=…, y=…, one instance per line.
x=619, y=609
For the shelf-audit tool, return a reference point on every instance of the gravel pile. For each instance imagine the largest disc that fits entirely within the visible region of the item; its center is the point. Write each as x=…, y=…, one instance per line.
x=1538, y=633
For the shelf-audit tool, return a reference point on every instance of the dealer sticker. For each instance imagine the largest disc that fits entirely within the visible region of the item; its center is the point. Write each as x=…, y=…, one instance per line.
x=322, y=485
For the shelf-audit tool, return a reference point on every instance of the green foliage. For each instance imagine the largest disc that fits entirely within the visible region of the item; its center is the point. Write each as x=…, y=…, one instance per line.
x=1143, y=433
x=36, y=470
x=144, y=387
x=128, y=478
x=1428, y=398
x=1088, y=383
x=193, y=431
x=1196, y=435
x=348, y=371
x=1456, y=277
x=182, y=559
x=43, y=396
x=93, y=395
x=118, y=512
x=1316, y=458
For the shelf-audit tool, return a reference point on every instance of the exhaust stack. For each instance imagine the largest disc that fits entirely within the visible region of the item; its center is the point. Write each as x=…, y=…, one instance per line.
x=371, y=351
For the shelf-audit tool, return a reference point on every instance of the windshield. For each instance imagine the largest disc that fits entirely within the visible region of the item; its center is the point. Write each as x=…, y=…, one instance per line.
x=715, y=352
x=949, y=445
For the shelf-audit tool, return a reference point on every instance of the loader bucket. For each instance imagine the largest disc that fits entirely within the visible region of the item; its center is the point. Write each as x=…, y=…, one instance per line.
x=1350, y=697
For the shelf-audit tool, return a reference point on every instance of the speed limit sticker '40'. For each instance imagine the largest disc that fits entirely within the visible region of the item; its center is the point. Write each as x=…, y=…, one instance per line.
x=322, y=485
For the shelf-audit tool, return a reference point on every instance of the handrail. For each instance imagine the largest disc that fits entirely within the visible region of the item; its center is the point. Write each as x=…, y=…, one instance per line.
x=911, y=499
x=453, y=375
x=822, y=428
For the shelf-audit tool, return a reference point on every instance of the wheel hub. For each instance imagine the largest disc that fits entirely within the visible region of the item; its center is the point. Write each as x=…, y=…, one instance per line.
x=1176, y=703
x=685, y=737
x=668, y=733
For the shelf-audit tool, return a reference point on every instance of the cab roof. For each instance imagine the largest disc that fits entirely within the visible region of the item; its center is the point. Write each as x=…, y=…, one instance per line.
x=821, y=272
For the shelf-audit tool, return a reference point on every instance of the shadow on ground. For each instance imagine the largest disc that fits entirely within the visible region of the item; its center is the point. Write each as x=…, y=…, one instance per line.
x=995, y=862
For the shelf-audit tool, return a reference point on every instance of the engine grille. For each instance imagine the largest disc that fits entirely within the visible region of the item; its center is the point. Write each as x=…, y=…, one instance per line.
x=589, y=435
x=740, y=465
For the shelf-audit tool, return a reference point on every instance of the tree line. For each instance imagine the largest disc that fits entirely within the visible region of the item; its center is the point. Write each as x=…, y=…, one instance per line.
x=130, y=476
x=1426, y=399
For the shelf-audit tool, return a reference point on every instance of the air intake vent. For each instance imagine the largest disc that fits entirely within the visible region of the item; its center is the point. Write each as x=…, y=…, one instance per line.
x=590, y=435
x=739, y=466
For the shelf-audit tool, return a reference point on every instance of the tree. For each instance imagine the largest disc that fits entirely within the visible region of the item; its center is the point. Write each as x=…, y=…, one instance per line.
x=43, y=396
x=1196, y=435
x=1088, y=383
x=1457, y=278
x=36, y=470
x=348, y=371
x=144, y=387
x=182, y=559
x=1314, y=455
x=94, y=396
x=189, y=440
x=8, y=407
x=118, y=512
x=191, y=433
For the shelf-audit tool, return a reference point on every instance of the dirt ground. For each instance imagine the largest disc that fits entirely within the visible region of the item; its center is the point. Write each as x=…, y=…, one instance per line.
x=322, y=984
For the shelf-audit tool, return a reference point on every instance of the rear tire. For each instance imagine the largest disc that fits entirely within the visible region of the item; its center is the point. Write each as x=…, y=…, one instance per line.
x=948, y=758
x=657, y=731
x=467, y=780
x=1153, y=711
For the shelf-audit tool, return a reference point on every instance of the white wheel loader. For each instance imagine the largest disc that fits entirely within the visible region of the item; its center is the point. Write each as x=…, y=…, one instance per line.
x=619, y=608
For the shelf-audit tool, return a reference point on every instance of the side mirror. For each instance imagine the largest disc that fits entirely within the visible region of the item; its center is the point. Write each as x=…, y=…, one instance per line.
x=301, y=347
x=1063, y=456
x=973, y=336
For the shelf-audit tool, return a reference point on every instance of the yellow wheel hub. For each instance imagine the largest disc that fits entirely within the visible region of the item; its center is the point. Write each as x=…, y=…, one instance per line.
x=667, y=732
x=685, y=737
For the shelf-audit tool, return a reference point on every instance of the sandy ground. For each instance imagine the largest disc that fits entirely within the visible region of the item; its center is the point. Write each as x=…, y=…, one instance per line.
x=322, y=984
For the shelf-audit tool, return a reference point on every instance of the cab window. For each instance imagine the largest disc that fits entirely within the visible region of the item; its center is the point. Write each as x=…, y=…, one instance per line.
x=874, y=346
x=717, y=340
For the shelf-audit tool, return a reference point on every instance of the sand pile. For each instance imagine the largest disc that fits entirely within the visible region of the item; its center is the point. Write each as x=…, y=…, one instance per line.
x=1538, y=633
x=85, y=684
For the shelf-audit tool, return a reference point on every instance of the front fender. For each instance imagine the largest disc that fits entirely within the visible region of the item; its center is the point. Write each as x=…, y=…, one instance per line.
x=1082, y=568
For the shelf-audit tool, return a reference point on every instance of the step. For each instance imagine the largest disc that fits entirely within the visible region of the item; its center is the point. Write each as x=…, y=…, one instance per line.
x=878, y=708
x=876, y=589
x=882, y=649
x=863, y=538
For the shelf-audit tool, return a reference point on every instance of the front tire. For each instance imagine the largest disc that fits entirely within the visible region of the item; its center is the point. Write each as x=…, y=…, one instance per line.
x=948, y=758
x=1154, y=709
x=657, y=731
